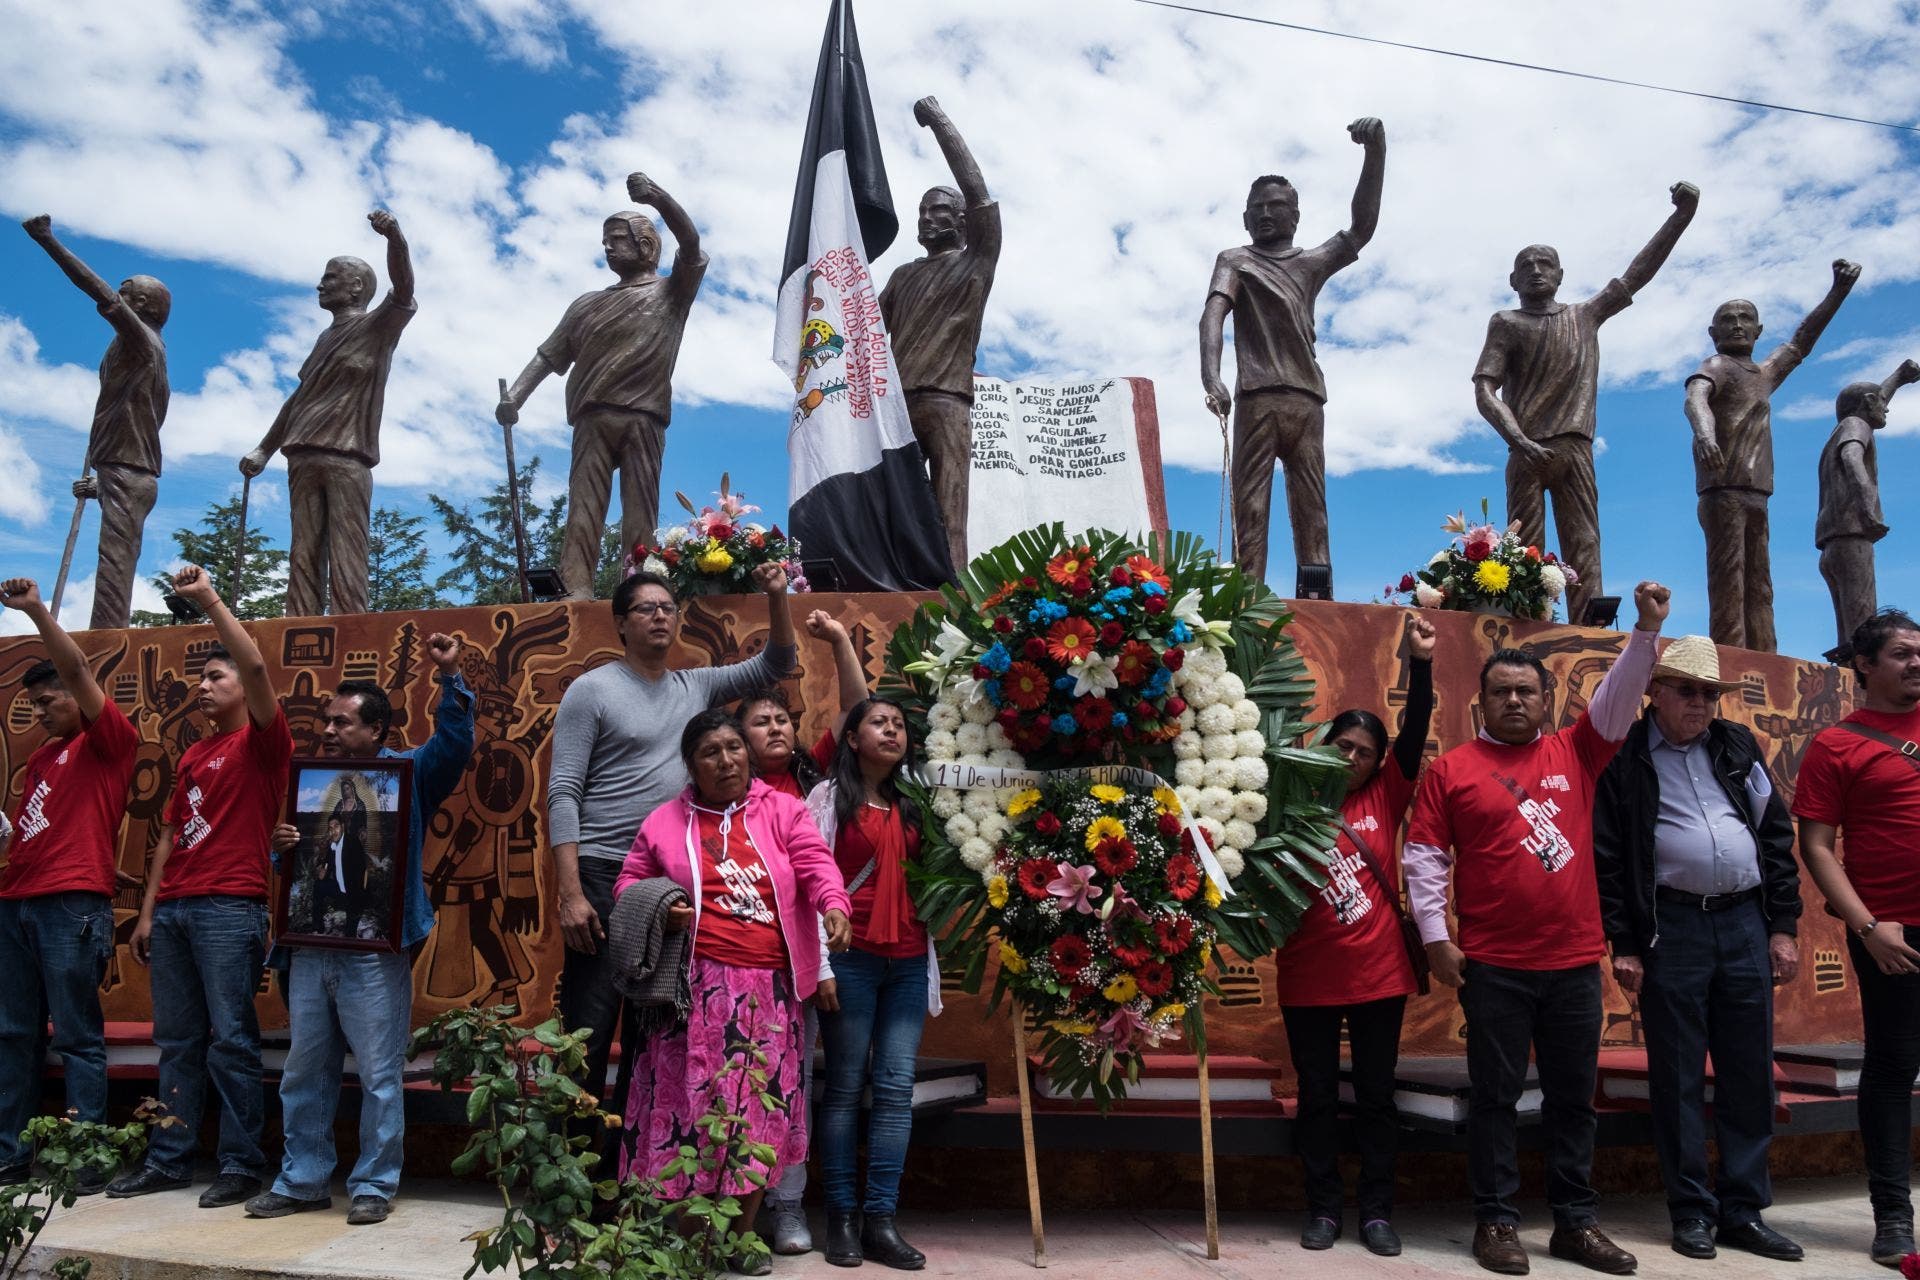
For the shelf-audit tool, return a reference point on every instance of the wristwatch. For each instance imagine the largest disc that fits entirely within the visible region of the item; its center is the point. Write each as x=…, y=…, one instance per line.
x=1865, y=929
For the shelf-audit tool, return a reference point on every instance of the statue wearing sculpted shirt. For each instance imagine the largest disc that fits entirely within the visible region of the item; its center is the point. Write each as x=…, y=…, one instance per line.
x=329, y=428
x=1850, y=521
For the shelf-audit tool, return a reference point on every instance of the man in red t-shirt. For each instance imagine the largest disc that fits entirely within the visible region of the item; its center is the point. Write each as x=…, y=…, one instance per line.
x=1862, y=777
x=203, y=920
x=56, y=891
x=1515, y=808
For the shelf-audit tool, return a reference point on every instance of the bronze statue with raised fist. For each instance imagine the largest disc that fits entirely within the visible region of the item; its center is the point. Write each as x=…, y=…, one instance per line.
x=1850, y=521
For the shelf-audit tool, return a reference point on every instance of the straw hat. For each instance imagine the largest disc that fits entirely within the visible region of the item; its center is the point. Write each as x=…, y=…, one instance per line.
x=1694, y=658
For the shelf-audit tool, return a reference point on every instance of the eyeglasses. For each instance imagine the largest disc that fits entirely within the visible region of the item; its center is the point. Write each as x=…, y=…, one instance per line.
x=1689, y=692
x=651, y=609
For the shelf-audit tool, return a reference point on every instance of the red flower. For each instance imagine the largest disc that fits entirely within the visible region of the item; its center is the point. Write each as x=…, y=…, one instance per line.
x=1137, y=662
x=1183, y=877
x=1155, y=978
x=1174, y=935
x=1154, y=604
x=1112, y=634
x=1000, y=595
x=1406, y=582
x=1009, y=718
x=1071, y=954
x=1069, y=640
x=1173, y=707
x=1094, y=714
x=1120, y=577
x=1035, y=648
x=1070, y=565
x=1029, y=583
x=1170, y=825
x=1533, y=554
x=1478, y=547
x=1144, y=570
x=1029, y=737
x=1133, y=954
x=1024, y=685
x=1003, y=624
x=981, y=671
x=1115, y=857
x=1174, y=658
x=1080, y=993
x=1143, y=710
x=775, y=532
x=757, y=540
x=1082, y=583
x=669, y=557
x=1047, y=824
x=1034, y=876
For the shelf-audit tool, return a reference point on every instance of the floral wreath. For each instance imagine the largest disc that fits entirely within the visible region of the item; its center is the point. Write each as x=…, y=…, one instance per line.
x=1101, y=891
x=716, y=552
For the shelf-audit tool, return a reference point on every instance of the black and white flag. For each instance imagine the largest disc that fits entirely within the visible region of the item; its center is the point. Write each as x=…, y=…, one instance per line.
x=858, y=492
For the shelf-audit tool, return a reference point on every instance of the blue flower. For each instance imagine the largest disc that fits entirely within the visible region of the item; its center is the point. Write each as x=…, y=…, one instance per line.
x=1179, y=633
x=1101, y=612
x=1152, y=589
x=996, y=659
x=1119, y=719
x=1045, y=611
x=992, y=689
x=1119, y=595
x=1156, y=683
x=1065, y=724
x=1065, y=682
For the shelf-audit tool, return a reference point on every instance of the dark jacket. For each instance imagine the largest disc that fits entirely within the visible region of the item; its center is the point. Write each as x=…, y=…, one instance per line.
x=1626, y=806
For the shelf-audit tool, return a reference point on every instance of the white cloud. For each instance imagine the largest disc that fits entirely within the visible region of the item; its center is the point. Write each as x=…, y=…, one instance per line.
x=192, y=133
x=76, y=606
x=21, y=497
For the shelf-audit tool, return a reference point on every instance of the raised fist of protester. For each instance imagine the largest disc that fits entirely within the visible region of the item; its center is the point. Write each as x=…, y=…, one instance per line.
x=1421, y=637
x=1653, y=601
x=770, y=578
x=445, y=652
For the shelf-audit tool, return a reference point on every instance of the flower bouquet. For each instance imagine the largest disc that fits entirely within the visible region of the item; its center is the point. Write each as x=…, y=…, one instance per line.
x=1486, y=571
x=716, y=552
x=1108, y=730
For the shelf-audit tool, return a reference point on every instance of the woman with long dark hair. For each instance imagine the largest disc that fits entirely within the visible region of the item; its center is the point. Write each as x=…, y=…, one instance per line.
x=888, y=984
x=1348, y=963
x=759, y=880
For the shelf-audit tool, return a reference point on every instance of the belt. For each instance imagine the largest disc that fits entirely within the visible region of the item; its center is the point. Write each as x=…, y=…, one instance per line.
x=1707, y=901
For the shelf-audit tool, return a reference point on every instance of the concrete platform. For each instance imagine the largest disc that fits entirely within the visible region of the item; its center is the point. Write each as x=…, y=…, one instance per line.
x=167, y=1237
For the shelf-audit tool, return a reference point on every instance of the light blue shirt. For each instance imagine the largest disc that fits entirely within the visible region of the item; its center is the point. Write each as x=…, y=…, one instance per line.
x=1701, y=841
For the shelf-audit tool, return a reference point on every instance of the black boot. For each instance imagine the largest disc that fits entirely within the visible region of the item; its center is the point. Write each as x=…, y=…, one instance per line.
x=880, y=1243
x=843, y=1240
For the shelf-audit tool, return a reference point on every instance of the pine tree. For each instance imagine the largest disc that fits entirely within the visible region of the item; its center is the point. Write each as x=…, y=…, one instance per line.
x=397, y=564
x=262, y=590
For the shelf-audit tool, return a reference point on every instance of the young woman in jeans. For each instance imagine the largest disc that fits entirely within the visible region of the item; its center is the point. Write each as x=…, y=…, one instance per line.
x=888, y=983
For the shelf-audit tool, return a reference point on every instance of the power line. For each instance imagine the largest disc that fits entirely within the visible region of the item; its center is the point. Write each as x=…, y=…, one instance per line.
x=1529, y=66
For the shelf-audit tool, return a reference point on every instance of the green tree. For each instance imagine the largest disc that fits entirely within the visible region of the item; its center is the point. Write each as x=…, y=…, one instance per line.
x=211, y=545
x=397, y=564
x=482, y=569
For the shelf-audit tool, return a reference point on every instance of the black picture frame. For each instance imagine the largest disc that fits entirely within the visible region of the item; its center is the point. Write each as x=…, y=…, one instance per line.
x=345, y=886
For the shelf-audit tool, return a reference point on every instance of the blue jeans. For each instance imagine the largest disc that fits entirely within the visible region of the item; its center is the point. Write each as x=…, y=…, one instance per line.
x=206, y=960
x=53, y=954
x=336, y=1001
x=872, y=1042
x=1709, y=992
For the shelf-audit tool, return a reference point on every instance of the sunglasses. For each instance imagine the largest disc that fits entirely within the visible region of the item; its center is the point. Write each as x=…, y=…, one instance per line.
x=1690, y=692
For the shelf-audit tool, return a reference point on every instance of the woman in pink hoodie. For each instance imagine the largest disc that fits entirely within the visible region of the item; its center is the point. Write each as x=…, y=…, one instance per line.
x=760, y=880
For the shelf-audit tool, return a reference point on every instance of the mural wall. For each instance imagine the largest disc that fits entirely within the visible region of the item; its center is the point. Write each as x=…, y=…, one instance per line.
x=485, y=862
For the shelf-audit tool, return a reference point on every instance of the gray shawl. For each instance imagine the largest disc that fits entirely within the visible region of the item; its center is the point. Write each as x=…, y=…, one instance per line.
x=650, y=964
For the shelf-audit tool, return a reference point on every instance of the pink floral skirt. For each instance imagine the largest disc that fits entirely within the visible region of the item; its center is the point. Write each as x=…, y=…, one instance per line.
x=680, y=1076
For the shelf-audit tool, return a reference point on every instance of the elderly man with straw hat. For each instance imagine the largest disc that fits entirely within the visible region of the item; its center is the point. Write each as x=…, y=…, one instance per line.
x=1700, y=899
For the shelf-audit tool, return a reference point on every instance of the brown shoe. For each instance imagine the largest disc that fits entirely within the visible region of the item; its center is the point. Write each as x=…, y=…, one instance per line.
x=1590, y=1247
x=1497, y=1247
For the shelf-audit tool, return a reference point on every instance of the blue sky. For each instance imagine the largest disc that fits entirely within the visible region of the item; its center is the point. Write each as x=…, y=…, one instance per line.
x=231, y=149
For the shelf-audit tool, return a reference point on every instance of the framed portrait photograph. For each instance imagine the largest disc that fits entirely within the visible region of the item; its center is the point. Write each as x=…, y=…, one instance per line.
x=343, y=885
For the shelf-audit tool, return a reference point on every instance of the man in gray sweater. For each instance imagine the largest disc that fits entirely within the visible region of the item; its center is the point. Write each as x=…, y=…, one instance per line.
x=616, y=758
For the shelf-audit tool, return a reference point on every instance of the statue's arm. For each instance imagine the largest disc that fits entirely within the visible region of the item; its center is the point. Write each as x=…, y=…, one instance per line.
x=1486, y=398
x=1853, y=460
x=1844, y=275
x=1639, y=272
x=966, y=172
x=83, y=276
x=1907, y=374
x=1706, y=431
x=507, y=413
x=686, y=236
x=1213, y=325
x=399, y=260
x=1372, y=135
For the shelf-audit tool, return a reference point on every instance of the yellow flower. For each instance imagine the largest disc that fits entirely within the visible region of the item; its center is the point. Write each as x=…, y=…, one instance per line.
x=1210, y=893
x=715, y=559
x=1492, y=575
x=997, y=892
x=1104, y=828
x=1206, y=953
x=1066, y=1028
x=1121, y=989
x=1106, y=793
x=1168, y=1012
x=1010, y=960
x=1165, y=800
x=1022, y=801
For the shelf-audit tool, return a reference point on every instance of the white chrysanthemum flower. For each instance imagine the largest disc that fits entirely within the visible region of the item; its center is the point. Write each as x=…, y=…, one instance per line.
x=1190, y=773
x=1219, y=746
x=1187, y=718
x=1249, y=807
x=1250, y=774
x=976, y=854
x=979, y=711
x=952, y=694
x=1230, y=861
x=1220, y=773
x=1426, y=596
x=971, y=739
x=973, y=760
x=1232, y=688
x=1215, y=803
x=1439, y=558
x=1006, y=758
x=946, y=802
x=943, y=716
x=1553, y=580
x=1201, y=692
x=1217, y=718
x=993, y=827
x=1249, y=744
x=1246, y=715
x=1213, y=829
x=1240, y=835
x=676, y=536
x=1207, y=662
x=1187, y=746
x=1189, y=797
x=997, y=739
x=961, y=827
x=941, y=744
x=654, y=564
x=980, y=803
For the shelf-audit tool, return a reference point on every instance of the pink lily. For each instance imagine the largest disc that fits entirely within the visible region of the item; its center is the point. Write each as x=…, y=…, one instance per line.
x=1122, y=1028
x=1075, y=888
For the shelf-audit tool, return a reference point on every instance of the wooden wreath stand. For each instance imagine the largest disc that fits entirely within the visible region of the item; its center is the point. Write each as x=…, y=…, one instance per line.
x=1033, y=1165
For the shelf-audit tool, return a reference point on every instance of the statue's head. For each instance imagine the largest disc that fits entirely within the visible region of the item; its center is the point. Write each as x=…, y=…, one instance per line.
x=1536, y=273
x=1273, y=210
x=1862, y=400
x=943, y=220
x=631, y=243
x=1735, y=328
x=347, y=282
x=150, y=299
